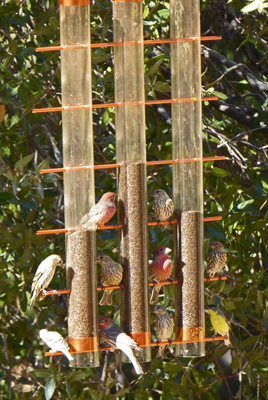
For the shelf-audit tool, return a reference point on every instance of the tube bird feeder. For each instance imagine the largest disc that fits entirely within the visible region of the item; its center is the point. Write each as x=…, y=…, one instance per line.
x=79, y=184
x=187, y=176
x=131, y=153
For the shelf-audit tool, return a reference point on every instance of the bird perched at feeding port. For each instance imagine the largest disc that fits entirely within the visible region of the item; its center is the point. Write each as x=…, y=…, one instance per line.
x=164, y=327
x=161, y=270
x=219, y=323
x=43, y=276
x=56, y=342
x=216, y=259
x=101, y=212
x=111, y=274
x=162, y=206
x=116, y=337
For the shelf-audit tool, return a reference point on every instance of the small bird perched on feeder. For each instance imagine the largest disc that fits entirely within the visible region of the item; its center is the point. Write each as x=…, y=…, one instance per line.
x=219, y=323
x=111, y=274
x=216, y=259
x=43, y=276
x=164, y=327
x=116, y=337
x=101, y=212
x=56, y=342
x=162, y=206
x=161, y=269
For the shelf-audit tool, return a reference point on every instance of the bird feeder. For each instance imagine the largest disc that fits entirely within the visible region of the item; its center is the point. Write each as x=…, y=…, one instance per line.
x=187, y=175
x=132, y=181
x=79, y=184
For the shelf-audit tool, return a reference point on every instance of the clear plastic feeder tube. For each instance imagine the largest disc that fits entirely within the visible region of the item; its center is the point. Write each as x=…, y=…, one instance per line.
x=188, y=176
x=131, y=153
x=79, y=185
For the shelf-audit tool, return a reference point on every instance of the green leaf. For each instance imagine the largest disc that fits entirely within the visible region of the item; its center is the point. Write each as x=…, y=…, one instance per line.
x=14, y=119
x=163, y=13
x=50, y=388
x=154, y=68
x=5, y=197
x=244, y=204
x=99, y=58
x=219, y=172
x=23, y=161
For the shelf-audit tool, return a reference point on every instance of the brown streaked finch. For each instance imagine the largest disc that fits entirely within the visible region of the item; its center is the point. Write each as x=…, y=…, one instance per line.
x=216, y=259
x=101, y=212
x=164, y=328
x=161, y=270
x=111, y=274
x=56, y=342
x=43, y=276
x=162, y=206
x=116, y=337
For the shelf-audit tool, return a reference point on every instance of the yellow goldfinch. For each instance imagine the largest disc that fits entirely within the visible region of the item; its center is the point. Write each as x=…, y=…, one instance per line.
x=219, y=323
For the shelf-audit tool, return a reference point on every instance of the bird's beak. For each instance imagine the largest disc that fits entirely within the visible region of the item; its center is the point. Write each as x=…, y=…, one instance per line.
x=167, y=250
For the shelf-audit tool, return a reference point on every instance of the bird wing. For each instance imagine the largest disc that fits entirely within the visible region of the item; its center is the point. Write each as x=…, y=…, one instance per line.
x=41, y=270
x=124, y=340
x=169, y=203
x=93, y=216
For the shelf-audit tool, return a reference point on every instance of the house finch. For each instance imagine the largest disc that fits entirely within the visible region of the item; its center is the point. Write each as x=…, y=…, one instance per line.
x=162, y=206
x=101, y=212
x=219, y=323
x=111, y=274
x=43, y=276
x=56, y=342
x=114, y=335
x=161, y=270
x=164, y=327
x=216, y=259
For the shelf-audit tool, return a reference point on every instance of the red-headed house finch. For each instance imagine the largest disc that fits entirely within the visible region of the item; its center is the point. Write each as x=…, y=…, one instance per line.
x=43, y=276
x=216, y=259
x=114, y=335
x=164, y=327
x=162, y=206
x=111, y=274
x=161, y=270
x=56, y=342
x=101, y=212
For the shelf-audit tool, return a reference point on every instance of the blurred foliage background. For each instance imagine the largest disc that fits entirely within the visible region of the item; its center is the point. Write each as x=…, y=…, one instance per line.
x=234, y=69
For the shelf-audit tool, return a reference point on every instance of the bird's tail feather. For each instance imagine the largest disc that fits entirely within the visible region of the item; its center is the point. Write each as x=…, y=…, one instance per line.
x=68, y=355
x=155, y=293
x=33, y=299
x=129, y=353
x=107, y=298
x=161, y=351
